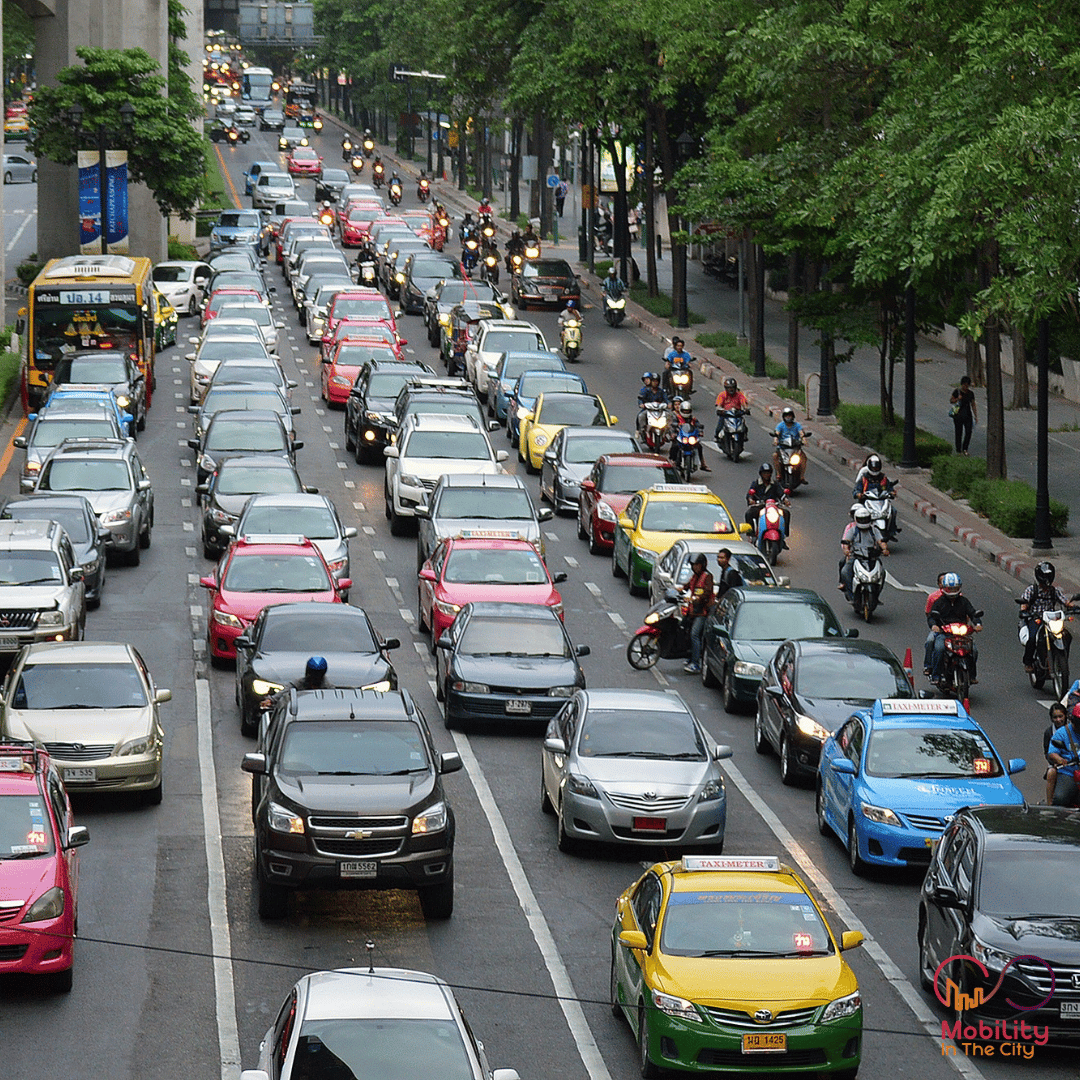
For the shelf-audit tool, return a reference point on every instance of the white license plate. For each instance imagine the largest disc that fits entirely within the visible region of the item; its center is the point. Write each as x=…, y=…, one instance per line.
x=1070, y=1010
x=80, y=774
x=9, y=644
x=359, y=869
x=518, y=705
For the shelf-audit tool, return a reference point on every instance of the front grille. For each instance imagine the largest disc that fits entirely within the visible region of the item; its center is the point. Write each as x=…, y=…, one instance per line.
x=357, y=822
x=495, y=707
x=382, y=846
x=13, y=952
x=1066, y=980
x=638, y=835
x=738, y=1018
x=17, y=620
x=11, y=914
x=429, y=485
x=738, y=1060
x=65, y=751
x=639, y=804
x=920, y=856
x=920, y=821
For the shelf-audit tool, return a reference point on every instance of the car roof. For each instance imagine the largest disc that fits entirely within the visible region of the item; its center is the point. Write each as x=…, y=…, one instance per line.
x=60, y=500
x=672, y=492
x=351, y=993
x=264, y=416
x=487, y=539
x=654, y=700
x=827, y=645
x=346, y=704
x=710, y=545
x=560, y=395
x=748, y=881
x=78, y=652
x=256, y=461
x=765, y=594
x=244, y=546
x=442, y=422
x=16, y=533
x=580, y=431
x=917, y=712
x=104, y=448
x=473, y=480
x=296, y=609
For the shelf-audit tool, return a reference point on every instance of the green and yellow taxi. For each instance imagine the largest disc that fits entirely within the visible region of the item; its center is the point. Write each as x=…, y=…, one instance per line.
x=726, y=963
x=660, y=516
x=166, y=318
x=538, y=426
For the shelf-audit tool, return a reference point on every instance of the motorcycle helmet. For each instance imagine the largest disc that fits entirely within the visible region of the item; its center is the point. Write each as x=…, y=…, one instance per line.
x=1075, y=712
x=611, y=270
x=863, y=517
x=648, y=376
x=730, y=385
x=950, y=584
x=686, y=410
x=789, y=415
x=1044, y=574
x=316, y=667
x=699, y=560
x=765, y=470
x=873, y=465
x=570, y=305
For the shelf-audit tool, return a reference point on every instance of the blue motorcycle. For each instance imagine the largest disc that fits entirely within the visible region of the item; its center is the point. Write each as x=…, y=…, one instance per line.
x=685, y=451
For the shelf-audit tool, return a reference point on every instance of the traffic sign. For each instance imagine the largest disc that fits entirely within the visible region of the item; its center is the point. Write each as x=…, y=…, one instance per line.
x=553, y=180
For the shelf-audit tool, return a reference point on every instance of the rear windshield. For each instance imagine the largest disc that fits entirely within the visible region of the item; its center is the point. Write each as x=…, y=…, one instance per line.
x=314, y=522
x=252, y=480
x=25, y=827
x=468, y=445
x=504, y=637
x=48, y=433
x=236, y=219
x=241, y=435
x=484, y=503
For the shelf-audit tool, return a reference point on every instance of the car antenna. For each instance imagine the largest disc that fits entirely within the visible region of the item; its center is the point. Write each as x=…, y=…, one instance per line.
x=352, y=714
x=370, y=946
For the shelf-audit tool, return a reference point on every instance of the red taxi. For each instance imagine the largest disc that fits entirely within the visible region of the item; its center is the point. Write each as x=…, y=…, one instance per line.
x=339, y=373
x=355, y=221
x=361, y=330
x=289, y=229
x=362, y=304
x=482, y=564
x=221, y=297
x=608, y=489
x=39, y=867
x=259, y=570
x=303, y=161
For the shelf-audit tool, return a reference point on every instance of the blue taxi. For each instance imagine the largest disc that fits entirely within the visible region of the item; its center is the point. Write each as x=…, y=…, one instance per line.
x=893, y=775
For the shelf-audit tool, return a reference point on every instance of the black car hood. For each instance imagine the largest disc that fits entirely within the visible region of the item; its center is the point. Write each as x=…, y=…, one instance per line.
x=380, y=404
x=830, y=713
x=524, y=672
x=1053, y=939
x=348, y=670
x=363, y=795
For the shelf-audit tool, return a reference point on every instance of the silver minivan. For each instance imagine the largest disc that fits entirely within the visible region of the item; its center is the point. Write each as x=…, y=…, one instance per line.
x=271, y=189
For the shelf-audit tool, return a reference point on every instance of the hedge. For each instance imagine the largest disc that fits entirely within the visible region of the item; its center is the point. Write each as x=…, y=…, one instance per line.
x=1009, y=505
x=954, y=474
x=863, y=424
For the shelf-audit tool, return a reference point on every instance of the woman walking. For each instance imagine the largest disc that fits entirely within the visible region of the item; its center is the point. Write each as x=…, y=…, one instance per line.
x=964, y=414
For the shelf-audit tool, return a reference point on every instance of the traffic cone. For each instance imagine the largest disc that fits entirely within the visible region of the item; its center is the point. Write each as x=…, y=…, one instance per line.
x=908, y=670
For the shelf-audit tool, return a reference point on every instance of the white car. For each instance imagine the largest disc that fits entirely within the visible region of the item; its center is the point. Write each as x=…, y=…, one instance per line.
x=212, y=350
x=428, y=445
x=248, y=307
x=272, y=188
x=19, y=169
x=183, y=282
x=494, y=337
x=245, y=116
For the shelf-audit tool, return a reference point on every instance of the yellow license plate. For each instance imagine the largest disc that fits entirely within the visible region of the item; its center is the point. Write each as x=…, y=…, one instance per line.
x=764, y=1042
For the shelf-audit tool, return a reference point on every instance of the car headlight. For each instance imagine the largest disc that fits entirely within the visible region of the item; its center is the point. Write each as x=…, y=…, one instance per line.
x=219, y=517
x=447, y=609
x=605, y=513
x=115, y=517
x=470, y=687
x=33, y=466
x=340, y=380
x=881, y=814
x=751, y=671
x=282, y=819
x=675, y=1006
x=809, y=726
x=409, y=480
x=225, y=618
x=50, y=905
x=89, y=569
x=714, y=789
x=337, y=565
x=994, y=959
x=142, y=745
x=581, y=785
x=539, y=439
x=560, y=691
x=645, y=555
x=260, y=687
x=431, y=820
x=51, y=618
x=207, y=463
x=841, y=1007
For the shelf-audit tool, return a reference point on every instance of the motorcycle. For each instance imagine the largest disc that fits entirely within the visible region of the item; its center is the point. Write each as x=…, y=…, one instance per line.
x=614, y=309
x=487, y=228
x=369, y=147
x=317, y=125
x=378, y=174
x=868, y=580
x=731, y=434
x=423, y=189
x=366, y=266
x=790, y=460
x=664, y=635
x=570, y=339
x=957, y=666
x=327, y=216
x=679, y=381
x=882, y=511
x=489, y=268
x=1051, y=659
x=470, y=253
x=231, y=135
x=395, y=192
x=686, y=439
x=514, y=262
x=771, y=541
x=653, y=424
x=356, y=164
x=346, y=149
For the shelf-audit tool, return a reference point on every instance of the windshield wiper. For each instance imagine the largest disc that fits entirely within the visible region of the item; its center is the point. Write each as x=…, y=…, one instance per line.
x=21, y=855
x=927, y=775
x=690, y=755
x=633, y=753
x=33, y=581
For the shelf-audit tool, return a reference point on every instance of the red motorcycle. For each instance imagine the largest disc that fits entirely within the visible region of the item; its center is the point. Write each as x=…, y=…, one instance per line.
x=665, y=634
x=958, y=665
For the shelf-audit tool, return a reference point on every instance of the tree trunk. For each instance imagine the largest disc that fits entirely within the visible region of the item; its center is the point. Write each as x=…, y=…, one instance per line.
x=996, y=465
x=972, y=353
x=534, y=148
x=649, y=224
x=1021, y=384
x=667, y=166
x=793, y=322
x=753, y=254
x=620, y=229
x=515, y=169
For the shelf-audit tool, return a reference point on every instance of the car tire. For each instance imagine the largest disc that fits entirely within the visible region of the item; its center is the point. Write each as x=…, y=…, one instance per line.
x=788, y=774
x=154, y=796
x=7, y=178
x=61, y=982
x=708, y=679
x=616, y=569
x=926, y=969
x=566, y=844
x=134, y=556
x=855, y=860
x=649, y=1070
x=33, y=177
x=145, y=536
x=761, y=740
x=823, y=825
x=273, y=900
x=546, y=805
x=399, y=525
x=731, y=702
x=613, y=989
x=437, y=901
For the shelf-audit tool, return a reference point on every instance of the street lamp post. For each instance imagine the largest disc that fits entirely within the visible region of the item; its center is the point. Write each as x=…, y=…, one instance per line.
x=103, y=135
x=685, y=147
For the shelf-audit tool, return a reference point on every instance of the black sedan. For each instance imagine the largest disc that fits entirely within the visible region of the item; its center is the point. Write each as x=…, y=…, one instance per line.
x=745, y=628
x=545, y=281
x=273, y=653
x=423, y=271
x=369, y=408
x=508, y=662
x=441, y=300
x=238, y=433
x=570, y=458
x=810, y=687
x=330, y=184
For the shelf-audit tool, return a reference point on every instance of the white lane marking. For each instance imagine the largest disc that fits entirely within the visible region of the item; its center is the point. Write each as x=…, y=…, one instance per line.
x=570, y=560
x=545, y=942
x=326, y=427
x=216, y=897
x=349, y=483
x=189, y=526
x=185, y=481
x=359, y=506
x=21, y=229
x=617, y=619
x=659, y=676
x=884, y=963
x=927, y=589
x=186, y=503
x=334, y=445
x=393, y=583
x=193, y=579
x=407, y=615
x=189, y=552
x=368, y=530
x=342, y=464
x=592, y=587
x=553, y=536
x=380, y=556
x=185, y=462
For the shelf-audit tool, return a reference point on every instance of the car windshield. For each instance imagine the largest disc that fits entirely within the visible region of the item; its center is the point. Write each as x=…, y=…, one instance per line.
x=304, y=153
x=1018, y=882
x=310, y=633
x=626, y=479
x=240, y=435
x=25, y=826
x=221, y=399
x=443, y=404
x=640, y=733
x=484, y=503
x=454, y=292
x=314, y=522
x=578, y=410
x=513, y=366
x=29, y=568
x=275, y=180
x=504, y=637
x=779, y=621
x=172, y=273
x=548, y=268
x=759, y=923
x=494, y=566
x=73, y=521
x=375, y=307
x=252, y=480
x=932, y=751
x=53, y=432
x=92, y=369
x=298, y=573
x=529, y=387
x=80, y=686
x=499, y=341
x=588, y=448
x=342, y=749
x=335, y=176
x=87, y=476
x=850, y=675
x=386, y=384
x=239, y=219
x=663, y=515
x=466, y=445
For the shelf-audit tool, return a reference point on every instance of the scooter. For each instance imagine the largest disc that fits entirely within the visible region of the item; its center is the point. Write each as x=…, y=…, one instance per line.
x=654, y=427
x=570, y=339
x=378, y=174
x=532, y=250
x=614, y=310
x=356, y=164
x=868, y=579
x=686, y=439
x=327, y=216
x=395, y=192
x=489, y=268
x=366, y=266
x=514, y=262
x=678, y=381
x=731, y=432
x=346, y=149
x=470, y=253
x=790, y=460
x=880, y=505
x=369, y=147
x=423, y=189
x=957, y=666
x=664, y=635
x=1051, y=659
x=771, y=541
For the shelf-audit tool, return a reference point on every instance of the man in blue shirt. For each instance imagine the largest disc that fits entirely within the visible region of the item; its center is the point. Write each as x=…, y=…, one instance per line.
x=1064, y=755
x=677, y=352
x=790, y=429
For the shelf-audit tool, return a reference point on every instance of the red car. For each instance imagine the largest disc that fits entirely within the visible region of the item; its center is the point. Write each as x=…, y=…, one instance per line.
x=420, y=223
x=39, y=867
x=361, y=330
x=357, y=304
x=340, y=371
x=257, y=571
x=482, y=564
x=287, y=230
x=356, y=222
x=221, y=297
x=605, y=492
x=303, y=161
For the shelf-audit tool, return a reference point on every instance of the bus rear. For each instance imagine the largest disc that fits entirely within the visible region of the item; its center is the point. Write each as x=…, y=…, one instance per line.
x=258, y=88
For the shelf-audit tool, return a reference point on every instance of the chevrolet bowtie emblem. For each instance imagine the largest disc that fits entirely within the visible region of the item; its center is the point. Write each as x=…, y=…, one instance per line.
x=357, y=834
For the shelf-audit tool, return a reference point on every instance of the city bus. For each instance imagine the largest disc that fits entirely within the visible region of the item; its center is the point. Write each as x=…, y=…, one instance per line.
x=257, y=87
x=300, y=103
x=87, y=302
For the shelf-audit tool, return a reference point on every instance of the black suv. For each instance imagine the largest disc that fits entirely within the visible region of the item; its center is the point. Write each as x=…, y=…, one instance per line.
x=448, y=396
x=369, y=408
x=347, y=794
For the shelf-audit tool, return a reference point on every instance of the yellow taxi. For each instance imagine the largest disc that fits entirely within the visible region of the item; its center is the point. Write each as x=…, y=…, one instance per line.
x=552, y=412
x=166, y=318
x=726, y=963
x=660, y=516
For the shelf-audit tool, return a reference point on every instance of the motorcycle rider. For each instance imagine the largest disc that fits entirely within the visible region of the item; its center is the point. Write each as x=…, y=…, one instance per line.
x=314, y=678
x=1043, y=596
x=649, y=393
x=614, y=286
x=700, y=593
x=395, y=179
x=530, y=239
x=685, y=415
x=677, y=350
x=760, y=492
x=569, y=313
x=1059, y=716
x=730, y=399
x=789, y=427
x=1064, y=755
x=484, y=209
x=928, y=648
x=951, y=607
x=860, y=535
x=870, y=479
x=514, y=246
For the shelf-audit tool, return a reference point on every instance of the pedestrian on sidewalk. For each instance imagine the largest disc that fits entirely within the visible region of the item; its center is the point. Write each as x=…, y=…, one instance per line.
x=562, y=189
x=964, y=413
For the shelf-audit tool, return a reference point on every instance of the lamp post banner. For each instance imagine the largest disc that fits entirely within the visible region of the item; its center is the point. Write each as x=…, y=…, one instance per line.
x=116, y=201
x=90, y=202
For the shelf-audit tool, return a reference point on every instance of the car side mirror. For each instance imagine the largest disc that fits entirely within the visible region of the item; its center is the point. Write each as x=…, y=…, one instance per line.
x=392, y=643
x=292, y=384
x=851, y=939
x=553, y=744
x=842, y=766
x=294, y=410
x=391, y=452
x=493, y=425
x=549, y=455
x=852, y=633
x=450, y=762
x=559, y=578
x=587, y=485
x=947, y=897
x=775, y=692
x=161, y=696
x=613, y=418
x=308, y=490
x=426, y=574
x=243, y=641
x=350, y=532
x=193, y=443
x=624, y=522
x=298, y=444
x=633, y=939
x=545, y=514
x=78, y=836
x=444, y=643
x=279, y=325
x=721, y=752
x=76, y=573
x=582, y=650
x=1016, y=765
x=744, y=527
x=501, y=456
x=19, y=442
x=254, y=763
x=423, y=511
x=208, y=582
x=145, y=485
x=191, y=356
x=193, y=409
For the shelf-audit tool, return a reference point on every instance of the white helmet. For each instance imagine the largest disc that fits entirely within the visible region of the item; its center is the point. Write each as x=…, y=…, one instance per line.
x=863, y=517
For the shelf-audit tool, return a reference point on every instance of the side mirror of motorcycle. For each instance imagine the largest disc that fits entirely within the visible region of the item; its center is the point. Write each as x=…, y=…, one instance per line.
x=671, y=595
x=978, y=615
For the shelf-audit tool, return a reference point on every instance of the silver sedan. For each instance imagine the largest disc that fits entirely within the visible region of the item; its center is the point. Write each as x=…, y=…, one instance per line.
x=633, y=766
x=19, y=169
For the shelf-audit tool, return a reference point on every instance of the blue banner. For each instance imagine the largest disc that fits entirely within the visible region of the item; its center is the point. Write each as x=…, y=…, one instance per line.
x=90, y=202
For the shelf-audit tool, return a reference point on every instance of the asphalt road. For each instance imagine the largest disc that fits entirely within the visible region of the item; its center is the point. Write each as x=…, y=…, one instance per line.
x=528, y=946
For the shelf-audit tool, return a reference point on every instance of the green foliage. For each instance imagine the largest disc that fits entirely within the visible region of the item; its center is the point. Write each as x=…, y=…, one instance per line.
x=18, y=41
x=954, y=473
x=864, y=425
x=9, y=372
x=1009, y=505
x=727, y=345
x=28, y=270
x=178, y=250
x=660, y=306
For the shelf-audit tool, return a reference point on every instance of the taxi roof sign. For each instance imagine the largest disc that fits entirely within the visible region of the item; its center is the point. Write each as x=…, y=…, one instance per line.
x=682, y=489
x=766, y=863
x=489, y=534
x=918, y=707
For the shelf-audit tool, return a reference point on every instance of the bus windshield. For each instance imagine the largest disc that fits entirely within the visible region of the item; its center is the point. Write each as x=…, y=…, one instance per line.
x=258, y=86
x=61, y=328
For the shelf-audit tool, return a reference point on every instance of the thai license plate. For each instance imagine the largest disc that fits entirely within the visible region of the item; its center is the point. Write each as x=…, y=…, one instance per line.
x=650, y=824
x=518, y=705
x=9, y=644
x=359, y=869
x=764, y=1042
x=80, y=774
x=1070, y=1010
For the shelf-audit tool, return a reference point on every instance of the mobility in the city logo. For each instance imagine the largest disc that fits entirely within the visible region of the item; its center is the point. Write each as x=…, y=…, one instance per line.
x=1007, y=1036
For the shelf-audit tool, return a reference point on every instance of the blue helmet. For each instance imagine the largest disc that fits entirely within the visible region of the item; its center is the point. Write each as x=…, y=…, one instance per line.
x=950, y=584
x=571, y=303
x=316, y=666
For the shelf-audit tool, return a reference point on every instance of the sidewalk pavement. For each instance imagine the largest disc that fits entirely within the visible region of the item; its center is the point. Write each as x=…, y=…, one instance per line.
x=937, y=372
